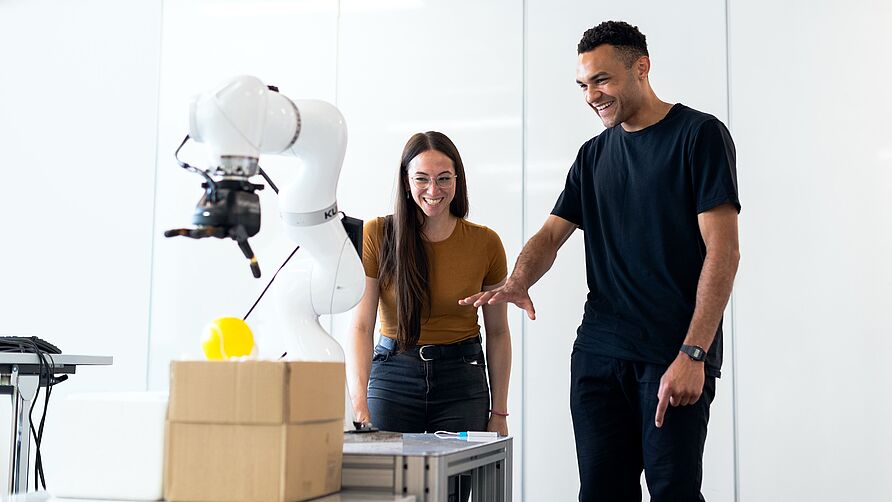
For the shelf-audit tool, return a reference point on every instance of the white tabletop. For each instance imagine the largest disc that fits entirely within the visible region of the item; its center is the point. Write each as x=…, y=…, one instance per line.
x=351, y=496
x=55, y=359
x=411, y=445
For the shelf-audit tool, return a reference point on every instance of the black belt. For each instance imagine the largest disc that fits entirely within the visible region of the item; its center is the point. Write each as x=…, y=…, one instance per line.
x=469, y=347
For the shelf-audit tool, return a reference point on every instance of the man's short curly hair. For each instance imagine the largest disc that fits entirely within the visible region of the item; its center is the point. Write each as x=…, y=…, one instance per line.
x=630, y=42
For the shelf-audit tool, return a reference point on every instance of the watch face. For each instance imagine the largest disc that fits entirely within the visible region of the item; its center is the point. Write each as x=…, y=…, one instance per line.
x=694, y=352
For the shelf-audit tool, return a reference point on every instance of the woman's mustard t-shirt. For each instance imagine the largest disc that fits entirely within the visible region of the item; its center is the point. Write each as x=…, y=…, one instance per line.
x=460, y=266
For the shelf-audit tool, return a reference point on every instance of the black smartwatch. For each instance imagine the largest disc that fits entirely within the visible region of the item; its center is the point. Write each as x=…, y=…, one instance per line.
x=695, y=352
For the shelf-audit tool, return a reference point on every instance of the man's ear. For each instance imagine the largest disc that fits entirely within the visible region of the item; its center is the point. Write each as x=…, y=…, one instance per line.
x=642, y=67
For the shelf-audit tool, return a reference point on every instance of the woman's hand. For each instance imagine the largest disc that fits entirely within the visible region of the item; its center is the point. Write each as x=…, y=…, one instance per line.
x=498, y=424
x=361, y=412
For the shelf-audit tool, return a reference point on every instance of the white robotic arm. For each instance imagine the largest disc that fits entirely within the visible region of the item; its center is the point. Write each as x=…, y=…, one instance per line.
x=242, y=119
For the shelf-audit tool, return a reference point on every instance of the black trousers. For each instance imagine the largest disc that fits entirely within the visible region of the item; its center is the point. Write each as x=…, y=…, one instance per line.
x=613, y=403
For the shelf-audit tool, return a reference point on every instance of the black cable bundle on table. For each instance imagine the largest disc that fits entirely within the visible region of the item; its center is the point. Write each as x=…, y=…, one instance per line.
x=44, y=351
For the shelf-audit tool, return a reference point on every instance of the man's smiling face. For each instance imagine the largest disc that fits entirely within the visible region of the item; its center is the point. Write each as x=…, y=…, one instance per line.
x=611, y=89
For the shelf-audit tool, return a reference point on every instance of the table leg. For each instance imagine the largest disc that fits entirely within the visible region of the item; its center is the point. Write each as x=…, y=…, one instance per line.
x=507, y=470
x=24, y=389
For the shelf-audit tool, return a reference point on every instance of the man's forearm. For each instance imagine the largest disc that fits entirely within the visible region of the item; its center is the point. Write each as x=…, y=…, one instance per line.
x=535, y=259
x=713, y=292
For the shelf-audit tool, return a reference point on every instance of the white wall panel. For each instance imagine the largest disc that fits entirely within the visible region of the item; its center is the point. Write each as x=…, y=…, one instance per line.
x=456, y=67
x=687, y=47
x=78, y=95
x=77, y=122
x=419, y=66
x=77, y=126
x=289, y=44
x=810, y=112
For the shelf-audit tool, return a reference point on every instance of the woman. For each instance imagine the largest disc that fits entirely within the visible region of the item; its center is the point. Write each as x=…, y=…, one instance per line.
x=428, y=371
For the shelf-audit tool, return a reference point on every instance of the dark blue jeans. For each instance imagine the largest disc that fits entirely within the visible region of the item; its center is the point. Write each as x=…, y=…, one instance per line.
x=429, y=388
x=613, y=404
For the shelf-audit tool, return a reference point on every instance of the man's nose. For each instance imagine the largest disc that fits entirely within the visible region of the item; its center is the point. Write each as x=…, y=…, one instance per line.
x=592, y=96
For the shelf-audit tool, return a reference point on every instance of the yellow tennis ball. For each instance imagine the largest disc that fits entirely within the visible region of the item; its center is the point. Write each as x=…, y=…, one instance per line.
x=212, y=342
x=227, y=337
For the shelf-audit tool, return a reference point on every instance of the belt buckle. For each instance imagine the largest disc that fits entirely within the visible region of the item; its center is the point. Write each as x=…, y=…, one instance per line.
x=421, y=352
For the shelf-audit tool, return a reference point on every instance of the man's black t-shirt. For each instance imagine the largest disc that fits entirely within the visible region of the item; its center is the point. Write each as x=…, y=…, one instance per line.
x=636, y=195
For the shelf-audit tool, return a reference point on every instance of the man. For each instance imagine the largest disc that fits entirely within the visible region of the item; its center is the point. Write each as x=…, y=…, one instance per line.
x=656, y=196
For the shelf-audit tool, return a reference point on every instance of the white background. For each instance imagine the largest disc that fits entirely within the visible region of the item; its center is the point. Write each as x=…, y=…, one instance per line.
x=93, y=98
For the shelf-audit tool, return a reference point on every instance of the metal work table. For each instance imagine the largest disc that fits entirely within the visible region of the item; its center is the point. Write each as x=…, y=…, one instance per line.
x=364, y=497
x=422, y=464
x=20, y=378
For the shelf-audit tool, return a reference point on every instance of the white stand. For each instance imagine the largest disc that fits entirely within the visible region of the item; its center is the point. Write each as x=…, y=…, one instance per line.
x=20, y=378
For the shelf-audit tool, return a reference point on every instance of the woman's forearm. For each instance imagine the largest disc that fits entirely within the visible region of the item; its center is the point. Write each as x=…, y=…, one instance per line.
x=498, y=354
x=359, y=364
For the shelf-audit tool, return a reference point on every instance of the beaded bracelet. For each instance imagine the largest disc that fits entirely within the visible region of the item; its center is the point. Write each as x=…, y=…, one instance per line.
x=499, y=413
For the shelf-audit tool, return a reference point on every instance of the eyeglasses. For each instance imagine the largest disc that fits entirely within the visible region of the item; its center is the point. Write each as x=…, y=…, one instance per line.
x=443, y=181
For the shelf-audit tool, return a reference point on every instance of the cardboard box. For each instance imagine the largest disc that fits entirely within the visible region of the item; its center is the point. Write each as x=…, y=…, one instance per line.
x=254, y=431
x=231, y=462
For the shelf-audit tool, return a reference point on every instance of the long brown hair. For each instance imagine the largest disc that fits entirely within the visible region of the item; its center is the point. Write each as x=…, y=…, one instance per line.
x=403, y=258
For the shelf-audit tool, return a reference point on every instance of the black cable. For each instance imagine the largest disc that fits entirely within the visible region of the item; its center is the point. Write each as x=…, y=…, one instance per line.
x=270, y=283
x=45, y=374
x=37, y=462
x=212, y=185
x=271, y=184
x=30, y=346
x=37, y=459
x=46, y=405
